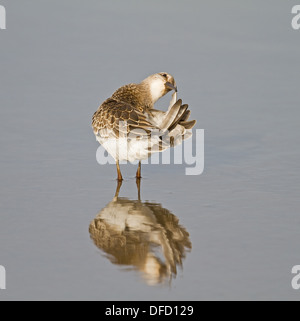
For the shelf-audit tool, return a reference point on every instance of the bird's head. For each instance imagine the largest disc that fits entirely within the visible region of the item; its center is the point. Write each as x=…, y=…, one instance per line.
x=160, y=84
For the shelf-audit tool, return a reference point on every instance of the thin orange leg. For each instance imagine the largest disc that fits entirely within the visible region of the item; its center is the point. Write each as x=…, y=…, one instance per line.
x=120, y=178
x=138, y=172
x=118, y=188
x=138, y=185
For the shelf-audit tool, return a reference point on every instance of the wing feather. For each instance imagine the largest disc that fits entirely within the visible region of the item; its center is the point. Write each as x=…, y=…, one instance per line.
x=117, y=119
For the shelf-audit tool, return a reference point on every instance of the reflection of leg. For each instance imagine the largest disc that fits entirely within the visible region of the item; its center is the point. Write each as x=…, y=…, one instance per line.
x=118, y=188
x=120, y=178
x=138, y=172
x=138, y=185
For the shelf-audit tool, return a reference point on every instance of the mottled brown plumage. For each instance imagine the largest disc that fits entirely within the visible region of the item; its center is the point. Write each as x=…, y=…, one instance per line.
x=128, y=103
x=130, y=110
x=106, y=120
x=134, y=94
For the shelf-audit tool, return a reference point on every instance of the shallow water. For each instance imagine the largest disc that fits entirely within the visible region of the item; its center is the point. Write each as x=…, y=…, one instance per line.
x=235, y=64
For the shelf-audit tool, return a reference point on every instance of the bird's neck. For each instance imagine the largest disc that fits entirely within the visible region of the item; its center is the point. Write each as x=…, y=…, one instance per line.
x=153, y=91
x=146, y=96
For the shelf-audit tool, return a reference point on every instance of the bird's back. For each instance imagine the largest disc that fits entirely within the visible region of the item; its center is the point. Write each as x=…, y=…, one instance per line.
x=128, y=103
x=133, y=94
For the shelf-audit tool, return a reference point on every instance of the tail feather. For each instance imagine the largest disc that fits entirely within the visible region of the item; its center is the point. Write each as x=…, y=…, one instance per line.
x=181, y=112
x=173, y=124
x=171, y=115
x=188, y=124
x=186, y=115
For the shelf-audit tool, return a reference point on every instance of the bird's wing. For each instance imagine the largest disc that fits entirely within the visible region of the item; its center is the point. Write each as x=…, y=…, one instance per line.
x=177, y=114
x=115, y=118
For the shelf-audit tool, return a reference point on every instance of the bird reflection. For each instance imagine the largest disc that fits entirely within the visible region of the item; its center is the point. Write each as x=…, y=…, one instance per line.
x=142, y=235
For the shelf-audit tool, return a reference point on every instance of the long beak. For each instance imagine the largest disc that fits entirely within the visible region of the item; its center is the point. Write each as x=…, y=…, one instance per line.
x=170, y=86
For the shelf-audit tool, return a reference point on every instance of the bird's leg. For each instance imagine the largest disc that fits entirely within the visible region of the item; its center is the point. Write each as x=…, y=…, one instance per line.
x=120, y=178
x=138, y=172
x=118, y=188
x=138, y=185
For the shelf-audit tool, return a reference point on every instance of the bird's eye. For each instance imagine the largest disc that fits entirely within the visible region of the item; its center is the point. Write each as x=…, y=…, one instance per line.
x=164, y=75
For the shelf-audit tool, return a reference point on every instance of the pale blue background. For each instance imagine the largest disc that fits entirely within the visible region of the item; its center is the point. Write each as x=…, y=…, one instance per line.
x=237, y=65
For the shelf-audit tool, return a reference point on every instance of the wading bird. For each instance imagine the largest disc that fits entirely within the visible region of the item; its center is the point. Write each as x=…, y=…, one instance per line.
x=130, y=129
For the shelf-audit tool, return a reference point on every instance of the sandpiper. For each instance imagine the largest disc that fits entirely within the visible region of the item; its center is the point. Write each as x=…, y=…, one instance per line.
x=129, y=128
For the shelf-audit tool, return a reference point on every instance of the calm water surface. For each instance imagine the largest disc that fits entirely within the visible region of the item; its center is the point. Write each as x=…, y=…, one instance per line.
x=230, y=233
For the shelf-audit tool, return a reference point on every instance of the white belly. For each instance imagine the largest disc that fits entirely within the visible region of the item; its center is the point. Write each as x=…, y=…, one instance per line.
x=124, y=149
